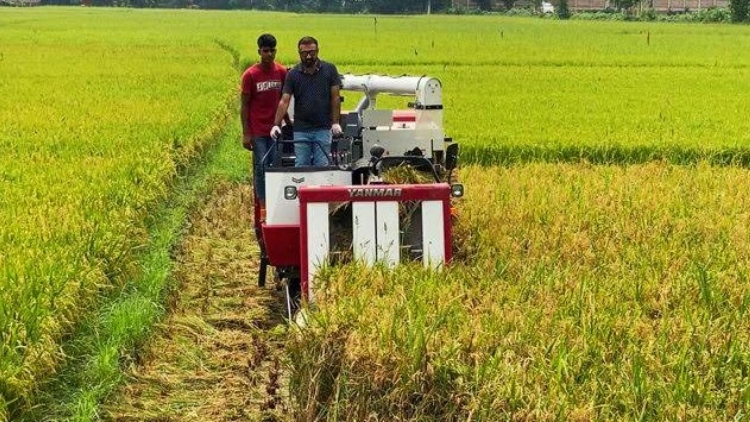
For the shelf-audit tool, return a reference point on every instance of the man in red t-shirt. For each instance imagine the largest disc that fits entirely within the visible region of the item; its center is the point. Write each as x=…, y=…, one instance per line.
x=261, y=91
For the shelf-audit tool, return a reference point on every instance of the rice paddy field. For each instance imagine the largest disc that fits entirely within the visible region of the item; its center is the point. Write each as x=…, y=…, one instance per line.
x=602, y=246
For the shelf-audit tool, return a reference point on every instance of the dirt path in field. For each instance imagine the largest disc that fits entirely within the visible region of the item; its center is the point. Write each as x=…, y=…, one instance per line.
x=216, y=356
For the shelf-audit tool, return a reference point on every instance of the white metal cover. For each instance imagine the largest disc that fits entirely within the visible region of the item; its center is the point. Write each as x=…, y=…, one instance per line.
x=375, y=118
x=375, y=232
x=398, y=142
x=318, y=241
x=283, y=211
x=433, y=234
x=387, y=232
x=363, y=232
x=375, y=84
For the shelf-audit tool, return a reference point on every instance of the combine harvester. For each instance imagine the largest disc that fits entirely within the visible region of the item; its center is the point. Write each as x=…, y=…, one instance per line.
x=317, y=216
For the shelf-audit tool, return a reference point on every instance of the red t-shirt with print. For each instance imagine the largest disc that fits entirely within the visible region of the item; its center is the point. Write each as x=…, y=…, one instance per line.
x=264, y=87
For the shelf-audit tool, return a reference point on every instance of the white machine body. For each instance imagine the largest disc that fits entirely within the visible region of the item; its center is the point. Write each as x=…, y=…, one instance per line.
x=282, y=211
x=399, y=134
x=298, y=226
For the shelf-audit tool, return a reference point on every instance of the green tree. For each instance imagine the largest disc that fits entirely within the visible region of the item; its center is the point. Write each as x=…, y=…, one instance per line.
x=354, y=6
x=739, y=10
x=485, y=5
x=394, y=6
x=508, y=4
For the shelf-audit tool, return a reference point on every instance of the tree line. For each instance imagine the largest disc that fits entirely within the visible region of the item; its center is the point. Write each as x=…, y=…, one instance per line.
x=740, y=9
x=329, y=6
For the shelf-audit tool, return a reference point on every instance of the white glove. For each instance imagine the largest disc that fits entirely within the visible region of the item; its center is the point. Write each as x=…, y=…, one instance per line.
x=336, y=129
x=275, y=132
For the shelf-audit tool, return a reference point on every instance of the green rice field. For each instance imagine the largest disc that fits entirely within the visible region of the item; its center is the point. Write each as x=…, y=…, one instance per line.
x=602, y=245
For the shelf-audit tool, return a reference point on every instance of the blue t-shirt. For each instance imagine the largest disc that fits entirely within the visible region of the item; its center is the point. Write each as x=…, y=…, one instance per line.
x=312, y=95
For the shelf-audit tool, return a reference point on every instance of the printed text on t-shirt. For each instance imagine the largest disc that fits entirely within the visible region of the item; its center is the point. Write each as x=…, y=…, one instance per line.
x=267, y=85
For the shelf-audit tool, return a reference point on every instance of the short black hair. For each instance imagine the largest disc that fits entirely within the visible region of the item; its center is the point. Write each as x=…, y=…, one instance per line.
x=266, y=41
x=307, y=40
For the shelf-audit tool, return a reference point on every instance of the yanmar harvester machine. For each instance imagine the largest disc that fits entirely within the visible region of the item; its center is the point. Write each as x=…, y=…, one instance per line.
x=318, y=216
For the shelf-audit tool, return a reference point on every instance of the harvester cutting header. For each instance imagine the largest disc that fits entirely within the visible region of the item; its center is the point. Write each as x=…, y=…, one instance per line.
x=385, y=195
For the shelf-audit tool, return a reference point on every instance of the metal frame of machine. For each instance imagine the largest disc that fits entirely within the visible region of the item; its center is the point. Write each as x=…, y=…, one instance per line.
x=294, y=230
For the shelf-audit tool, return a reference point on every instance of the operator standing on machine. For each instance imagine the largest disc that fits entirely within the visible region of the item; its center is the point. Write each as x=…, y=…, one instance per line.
x=315, y=86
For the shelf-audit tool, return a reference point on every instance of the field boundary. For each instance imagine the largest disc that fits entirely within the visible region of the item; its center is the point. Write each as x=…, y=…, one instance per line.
x=504, y=155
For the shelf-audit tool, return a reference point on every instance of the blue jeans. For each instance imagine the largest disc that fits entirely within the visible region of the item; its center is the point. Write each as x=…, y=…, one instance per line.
x=309, y=154
x=261, y=145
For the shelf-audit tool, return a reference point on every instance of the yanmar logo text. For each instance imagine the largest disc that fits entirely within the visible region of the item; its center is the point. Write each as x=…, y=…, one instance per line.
x=369, y=192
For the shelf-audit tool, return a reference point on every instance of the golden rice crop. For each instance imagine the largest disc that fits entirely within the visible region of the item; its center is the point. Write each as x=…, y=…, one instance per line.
x=605, y=293
x=593, y=293
x=93, y=126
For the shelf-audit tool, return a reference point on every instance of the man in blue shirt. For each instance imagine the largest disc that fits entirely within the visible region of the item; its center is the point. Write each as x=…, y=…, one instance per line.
x=315, y=86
